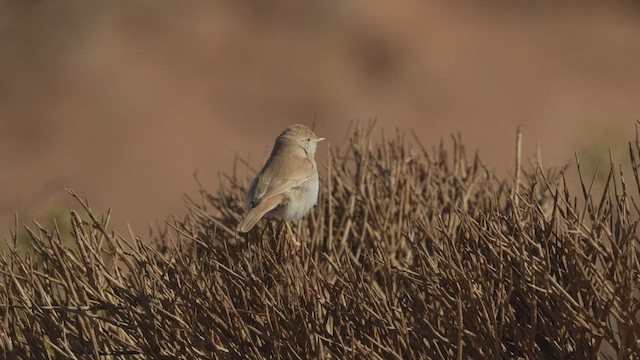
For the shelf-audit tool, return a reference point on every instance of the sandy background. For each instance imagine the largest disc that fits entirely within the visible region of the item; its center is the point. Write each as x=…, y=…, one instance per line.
x=122, y=101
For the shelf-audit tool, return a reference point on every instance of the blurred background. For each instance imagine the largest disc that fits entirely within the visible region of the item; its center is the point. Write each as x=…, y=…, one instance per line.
x=123, y=101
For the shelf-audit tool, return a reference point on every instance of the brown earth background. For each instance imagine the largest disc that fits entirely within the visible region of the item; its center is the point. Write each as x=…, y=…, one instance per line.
x=123, y=101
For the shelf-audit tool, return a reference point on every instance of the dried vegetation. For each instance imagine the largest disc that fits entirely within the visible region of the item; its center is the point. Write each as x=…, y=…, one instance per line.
x=409, y=254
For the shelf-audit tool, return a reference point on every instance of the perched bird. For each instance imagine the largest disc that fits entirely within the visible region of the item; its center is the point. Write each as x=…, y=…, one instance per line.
x=287, y=186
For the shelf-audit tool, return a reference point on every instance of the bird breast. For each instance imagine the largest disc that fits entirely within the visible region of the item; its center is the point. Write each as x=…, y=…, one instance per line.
x=301, y=199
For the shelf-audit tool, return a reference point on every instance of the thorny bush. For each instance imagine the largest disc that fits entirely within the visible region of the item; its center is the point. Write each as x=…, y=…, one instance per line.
x=410, y=253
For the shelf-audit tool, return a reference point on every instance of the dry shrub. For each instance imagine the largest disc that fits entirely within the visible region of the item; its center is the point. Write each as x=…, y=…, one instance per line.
x=409, y=254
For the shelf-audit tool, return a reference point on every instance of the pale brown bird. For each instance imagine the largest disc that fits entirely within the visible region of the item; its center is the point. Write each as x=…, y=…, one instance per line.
x=287, y=186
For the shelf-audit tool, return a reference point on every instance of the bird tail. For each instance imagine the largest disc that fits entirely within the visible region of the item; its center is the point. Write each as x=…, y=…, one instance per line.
x=256, y=213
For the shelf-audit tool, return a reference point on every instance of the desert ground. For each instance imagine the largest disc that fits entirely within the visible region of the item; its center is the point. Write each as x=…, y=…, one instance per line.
x=123, y=102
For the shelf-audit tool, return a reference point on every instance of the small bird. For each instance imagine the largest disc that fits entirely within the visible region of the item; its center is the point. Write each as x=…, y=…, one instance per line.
x=287, y=186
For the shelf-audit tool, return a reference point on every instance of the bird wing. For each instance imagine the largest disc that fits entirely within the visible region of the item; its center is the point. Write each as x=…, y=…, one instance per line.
x=280, y=174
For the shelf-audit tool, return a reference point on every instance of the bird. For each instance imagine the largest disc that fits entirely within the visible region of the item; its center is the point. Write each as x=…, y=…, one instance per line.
x=287, y=186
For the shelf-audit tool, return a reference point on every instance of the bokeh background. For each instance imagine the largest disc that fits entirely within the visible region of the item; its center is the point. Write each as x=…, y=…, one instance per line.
x=123, y=101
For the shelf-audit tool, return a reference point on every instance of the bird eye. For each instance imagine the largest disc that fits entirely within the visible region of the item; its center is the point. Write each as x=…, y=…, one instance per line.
x=308, y=139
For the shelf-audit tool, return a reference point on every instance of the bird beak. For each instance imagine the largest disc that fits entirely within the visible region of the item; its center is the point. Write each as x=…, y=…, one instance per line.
x=320, y=139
